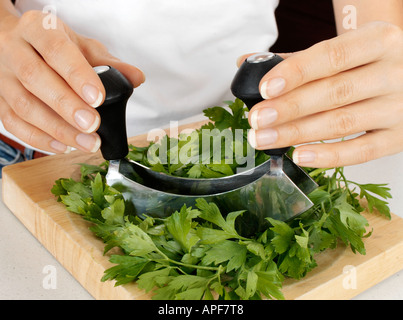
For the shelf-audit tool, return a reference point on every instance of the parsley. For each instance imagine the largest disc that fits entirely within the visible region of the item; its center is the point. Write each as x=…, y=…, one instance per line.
x=197, y=253
x=205, y=153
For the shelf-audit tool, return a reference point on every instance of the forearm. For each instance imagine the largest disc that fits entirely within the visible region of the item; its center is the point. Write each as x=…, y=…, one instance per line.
x=368, y=10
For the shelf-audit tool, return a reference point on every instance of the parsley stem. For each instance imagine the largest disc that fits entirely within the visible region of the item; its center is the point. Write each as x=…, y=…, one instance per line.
x=194, y=266
x=341, y=173
x=167, y=259
x=317, y=172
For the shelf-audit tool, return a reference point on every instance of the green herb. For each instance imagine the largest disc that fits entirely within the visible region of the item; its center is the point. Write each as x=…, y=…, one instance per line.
x=213, y=151
x=197, y=253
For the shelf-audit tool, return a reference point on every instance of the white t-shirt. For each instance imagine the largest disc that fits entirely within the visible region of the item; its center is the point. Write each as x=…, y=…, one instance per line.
x=186, y=48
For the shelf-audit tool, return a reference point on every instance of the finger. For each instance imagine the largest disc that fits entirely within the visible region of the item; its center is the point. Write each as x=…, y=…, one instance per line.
x=325, y=94
x=29, y=133
x=332, y=124
x=64, y=57
x=33, y=111
x=325, y=59
x=97, y=54
x=370, y=146
x=44, y=83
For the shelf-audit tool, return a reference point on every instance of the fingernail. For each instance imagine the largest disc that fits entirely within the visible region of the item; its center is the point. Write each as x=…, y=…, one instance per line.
x=303, y=157
x=252, y=138
x=262, y=138
x=92, y=95
x=262, y=118
x=89, y=142
x=60, y=147
x=272, y=88
x=86, y=120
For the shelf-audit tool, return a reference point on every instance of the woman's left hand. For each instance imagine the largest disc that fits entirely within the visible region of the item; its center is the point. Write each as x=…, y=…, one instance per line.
x=340, y=87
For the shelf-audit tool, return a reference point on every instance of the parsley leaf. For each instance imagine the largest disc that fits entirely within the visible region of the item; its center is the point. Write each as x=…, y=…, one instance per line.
x=198, y=253
x=226, y=251
x=283, y=235
x=374, y=202
x=179, y=224
x=204, y=153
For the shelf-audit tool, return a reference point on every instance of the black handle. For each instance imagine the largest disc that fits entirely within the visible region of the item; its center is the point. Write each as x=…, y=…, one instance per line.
x=245, y=85
x=112, y=130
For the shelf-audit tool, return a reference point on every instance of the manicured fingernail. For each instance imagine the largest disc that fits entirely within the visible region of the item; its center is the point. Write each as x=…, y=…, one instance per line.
x=262, y=118
x=272, y=88
x=262, y=138
x=89, y=142
x=87, y=120
x=252, y=138
x=92, y=95
x=60, y=147
x=303, y=157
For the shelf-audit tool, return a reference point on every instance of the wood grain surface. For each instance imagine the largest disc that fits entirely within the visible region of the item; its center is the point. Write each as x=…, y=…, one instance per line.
x=340, y=274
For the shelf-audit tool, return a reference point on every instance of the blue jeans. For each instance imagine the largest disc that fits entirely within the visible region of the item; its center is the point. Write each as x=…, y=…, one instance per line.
x=10, y=155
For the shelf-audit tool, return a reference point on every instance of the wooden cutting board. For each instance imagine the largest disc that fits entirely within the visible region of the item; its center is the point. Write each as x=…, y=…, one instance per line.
x=340, y=274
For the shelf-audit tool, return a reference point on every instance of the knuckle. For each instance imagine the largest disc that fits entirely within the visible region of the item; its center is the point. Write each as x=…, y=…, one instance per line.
x=22, y=106
x=367, y=152
x=337, y=55
x=343, y=123
x=60, y=102
x=294, y=134
x=88, y=45
x=59, y=133
x=298, y=71
x=334, y=158
x=341, y=92
x=391, y=34
x=95, y=43
x=293, y=108
x=54, y=49
x=27, y=71
x=31, y=137
x=30, y=17
x=72, y=72
x=8, y=119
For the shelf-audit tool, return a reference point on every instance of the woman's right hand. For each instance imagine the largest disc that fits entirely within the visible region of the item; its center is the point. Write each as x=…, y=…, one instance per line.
x=48, y=88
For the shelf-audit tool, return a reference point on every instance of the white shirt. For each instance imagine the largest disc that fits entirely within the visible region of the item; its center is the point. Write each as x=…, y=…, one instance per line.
x=186, y=48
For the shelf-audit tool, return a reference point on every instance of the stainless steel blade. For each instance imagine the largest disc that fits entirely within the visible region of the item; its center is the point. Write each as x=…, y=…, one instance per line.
x=189, y=186
x=271, y=195
x=264, y=191
x=301, y=179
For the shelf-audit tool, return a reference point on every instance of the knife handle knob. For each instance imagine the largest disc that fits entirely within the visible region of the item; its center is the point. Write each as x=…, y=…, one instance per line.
x=112, y=129
x=245, y=84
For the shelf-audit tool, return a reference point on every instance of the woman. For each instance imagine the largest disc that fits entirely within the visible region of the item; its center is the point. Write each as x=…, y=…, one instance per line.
x=347, y=85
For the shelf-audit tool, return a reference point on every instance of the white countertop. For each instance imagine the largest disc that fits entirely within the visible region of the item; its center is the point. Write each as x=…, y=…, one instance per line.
x=25, y=263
